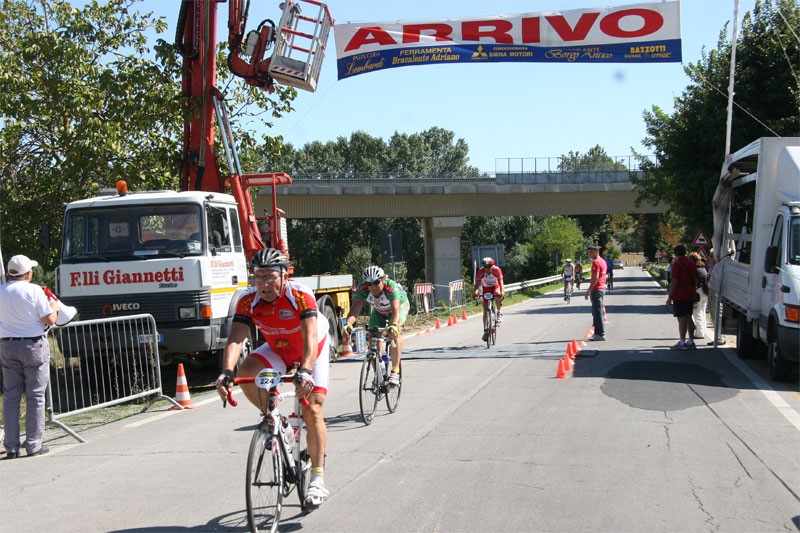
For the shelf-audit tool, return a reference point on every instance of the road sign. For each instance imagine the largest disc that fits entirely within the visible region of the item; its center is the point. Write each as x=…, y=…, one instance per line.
x=391, y=246
x=658, y=254
x=700, y=240
x=702, y=253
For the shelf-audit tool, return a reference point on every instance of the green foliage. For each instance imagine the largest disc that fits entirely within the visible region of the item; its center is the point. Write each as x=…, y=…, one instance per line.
x=559, y=235
x=596, y=159
x=355, y=261
x=86, y=101
x=689, y=144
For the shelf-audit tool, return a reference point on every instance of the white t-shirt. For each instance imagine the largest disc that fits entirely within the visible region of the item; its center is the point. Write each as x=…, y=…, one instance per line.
x=568, y=269
x=22, y=306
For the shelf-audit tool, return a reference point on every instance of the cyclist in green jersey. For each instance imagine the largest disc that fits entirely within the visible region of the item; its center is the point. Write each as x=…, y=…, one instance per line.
x=390, y=306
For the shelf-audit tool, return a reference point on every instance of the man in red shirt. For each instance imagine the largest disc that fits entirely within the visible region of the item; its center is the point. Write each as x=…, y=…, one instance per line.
x=597, y=289
x=682, y=293
x=285, y=312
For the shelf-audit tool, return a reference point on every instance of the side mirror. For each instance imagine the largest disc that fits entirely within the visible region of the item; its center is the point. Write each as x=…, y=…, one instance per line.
x=771, y=260
x=44, y=237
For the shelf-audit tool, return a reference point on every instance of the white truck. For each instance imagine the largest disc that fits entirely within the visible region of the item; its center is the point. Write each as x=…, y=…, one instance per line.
x=760, y=267
x=176, y=255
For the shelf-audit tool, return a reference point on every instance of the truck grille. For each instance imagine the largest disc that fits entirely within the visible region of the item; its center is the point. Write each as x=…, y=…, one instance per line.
x=163, y=306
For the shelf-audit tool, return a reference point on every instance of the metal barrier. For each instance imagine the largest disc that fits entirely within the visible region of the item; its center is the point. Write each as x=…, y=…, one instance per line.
x=424, y=301
x=457, y=298
x=530, y=284
x=100, y=363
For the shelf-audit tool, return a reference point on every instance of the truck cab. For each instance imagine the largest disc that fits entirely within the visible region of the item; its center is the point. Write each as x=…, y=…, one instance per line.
x=177, y=256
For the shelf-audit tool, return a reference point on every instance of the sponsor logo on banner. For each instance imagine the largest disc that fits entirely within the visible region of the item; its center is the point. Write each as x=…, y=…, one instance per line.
x=639, y=33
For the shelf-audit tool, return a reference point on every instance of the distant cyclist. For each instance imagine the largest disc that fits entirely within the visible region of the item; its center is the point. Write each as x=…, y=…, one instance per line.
x=610, y=273
x=390, y=306
x=568, y=273
x=578, y=274
x=490, y=280
x=285, y=312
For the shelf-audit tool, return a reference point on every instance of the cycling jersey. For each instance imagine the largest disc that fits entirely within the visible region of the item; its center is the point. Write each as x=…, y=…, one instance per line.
x=491, y=279
x=279, y=322
x=383, y=304
x=567, y=271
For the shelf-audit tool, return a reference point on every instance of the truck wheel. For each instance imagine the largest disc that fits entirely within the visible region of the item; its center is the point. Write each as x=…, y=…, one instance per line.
x=745, y=344
x=779, y=368
x=333, y=330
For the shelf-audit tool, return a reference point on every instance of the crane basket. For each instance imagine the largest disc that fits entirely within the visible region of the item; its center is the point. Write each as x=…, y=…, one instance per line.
x=294, y=64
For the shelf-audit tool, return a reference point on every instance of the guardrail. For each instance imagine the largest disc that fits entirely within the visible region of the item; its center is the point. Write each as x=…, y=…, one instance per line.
x=530, y=284
x=100, y=363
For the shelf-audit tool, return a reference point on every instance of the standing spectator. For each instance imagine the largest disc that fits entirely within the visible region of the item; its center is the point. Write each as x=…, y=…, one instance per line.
x=25, y=313
x=699, y=309
x=597, y=289
x=682, y=295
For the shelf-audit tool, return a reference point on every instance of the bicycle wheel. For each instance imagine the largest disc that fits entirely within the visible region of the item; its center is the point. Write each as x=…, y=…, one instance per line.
x=264, y=482
x=487, y=326
x=303, y=477
x=368, y=388
x=393, y=393
x=493, y=332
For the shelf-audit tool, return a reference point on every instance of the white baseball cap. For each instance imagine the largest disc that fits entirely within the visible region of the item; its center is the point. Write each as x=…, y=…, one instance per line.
x=20, y=264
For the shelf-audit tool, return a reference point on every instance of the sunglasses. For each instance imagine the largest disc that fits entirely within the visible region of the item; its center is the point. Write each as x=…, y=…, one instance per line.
x=375, y=283
x=266, y=279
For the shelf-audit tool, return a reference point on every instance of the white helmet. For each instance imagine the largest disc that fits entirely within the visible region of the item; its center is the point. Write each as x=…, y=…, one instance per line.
x=569, y=260
x=373, y=273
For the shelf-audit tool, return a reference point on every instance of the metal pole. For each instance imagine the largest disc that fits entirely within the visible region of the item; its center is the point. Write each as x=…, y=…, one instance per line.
x=734, y=40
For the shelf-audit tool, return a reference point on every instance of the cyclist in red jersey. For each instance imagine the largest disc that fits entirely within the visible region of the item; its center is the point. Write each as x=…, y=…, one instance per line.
x=285, y=312
x=490, y=279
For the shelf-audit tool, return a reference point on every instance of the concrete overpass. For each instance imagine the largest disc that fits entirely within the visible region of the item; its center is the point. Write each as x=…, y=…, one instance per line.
x=442, y=202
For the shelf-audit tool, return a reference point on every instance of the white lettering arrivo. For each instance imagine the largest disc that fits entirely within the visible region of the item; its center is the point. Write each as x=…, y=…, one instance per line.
x=117, y=277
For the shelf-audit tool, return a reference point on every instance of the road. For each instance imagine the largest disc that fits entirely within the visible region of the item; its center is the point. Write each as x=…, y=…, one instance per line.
x=638, y=438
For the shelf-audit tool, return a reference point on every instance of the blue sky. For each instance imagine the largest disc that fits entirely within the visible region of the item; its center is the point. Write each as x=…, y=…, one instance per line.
x=513, y=110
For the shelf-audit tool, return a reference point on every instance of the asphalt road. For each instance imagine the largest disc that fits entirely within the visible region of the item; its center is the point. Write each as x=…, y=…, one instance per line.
x=638, y=438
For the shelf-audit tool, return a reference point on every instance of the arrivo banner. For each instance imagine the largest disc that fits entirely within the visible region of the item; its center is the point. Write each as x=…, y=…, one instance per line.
x=637, y=33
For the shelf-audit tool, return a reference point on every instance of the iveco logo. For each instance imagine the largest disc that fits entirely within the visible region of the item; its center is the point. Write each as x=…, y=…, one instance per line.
x=113, y=308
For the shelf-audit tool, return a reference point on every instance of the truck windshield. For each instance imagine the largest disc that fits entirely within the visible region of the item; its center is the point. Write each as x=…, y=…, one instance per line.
x=794, y=241
x=132, y=232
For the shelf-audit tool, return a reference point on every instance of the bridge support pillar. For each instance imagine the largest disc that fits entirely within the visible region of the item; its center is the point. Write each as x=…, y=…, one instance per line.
x=442, y=250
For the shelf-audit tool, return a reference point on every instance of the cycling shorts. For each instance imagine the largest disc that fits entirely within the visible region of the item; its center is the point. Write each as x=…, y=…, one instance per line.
x=567, y=279
x=321, y=371
x=380, y=320
x=495, y=289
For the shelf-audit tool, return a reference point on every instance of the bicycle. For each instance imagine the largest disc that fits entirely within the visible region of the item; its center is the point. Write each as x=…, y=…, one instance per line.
x=373, y=383
x=568, y=292
x=490, y=320
x=276, y=464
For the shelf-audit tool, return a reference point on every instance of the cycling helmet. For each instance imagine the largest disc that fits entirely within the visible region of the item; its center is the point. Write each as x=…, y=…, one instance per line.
x=373, y=273
x=488, y=261
x=270, y=258
x=569, y=260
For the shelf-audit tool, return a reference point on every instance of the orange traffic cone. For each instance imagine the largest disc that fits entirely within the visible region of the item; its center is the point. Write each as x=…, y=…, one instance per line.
x=438, y=324
x=561, y=374
x=419, y=333
x=347, y=349
x=575, y=348
x=428, y=330
x=567, y=363
x=570, y=352
x=588, y=334
x=463, y=314
x=182, y=391
x=449, y=320
x=455, y=319
x=605, y=317
x=582, y=344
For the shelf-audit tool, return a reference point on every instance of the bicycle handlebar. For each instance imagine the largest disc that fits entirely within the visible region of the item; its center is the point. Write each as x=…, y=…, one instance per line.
x=238, y=381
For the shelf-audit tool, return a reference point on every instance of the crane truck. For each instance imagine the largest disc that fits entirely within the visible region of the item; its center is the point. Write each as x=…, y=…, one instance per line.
x=183, y=256
x=757, y=276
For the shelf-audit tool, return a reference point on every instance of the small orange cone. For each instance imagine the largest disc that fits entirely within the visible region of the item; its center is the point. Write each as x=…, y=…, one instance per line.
x=575, y=348
x=449, y=320
x=428, y=330
x=438, y=324
x=561, y=374
x=570, y=353
x=463, y=314
x=182, y=391
x=455, y=319
x=347, y=349
x=582, y=344
x=588, y=334
x=567, y=363
x=605, y=317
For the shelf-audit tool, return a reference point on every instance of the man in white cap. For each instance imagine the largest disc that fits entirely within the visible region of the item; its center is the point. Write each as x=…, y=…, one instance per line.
x=25, y=315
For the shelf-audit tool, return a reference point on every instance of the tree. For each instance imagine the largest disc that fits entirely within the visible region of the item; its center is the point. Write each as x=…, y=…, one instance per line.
x=559, y=235
x=689, y=143
x=85, y=102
